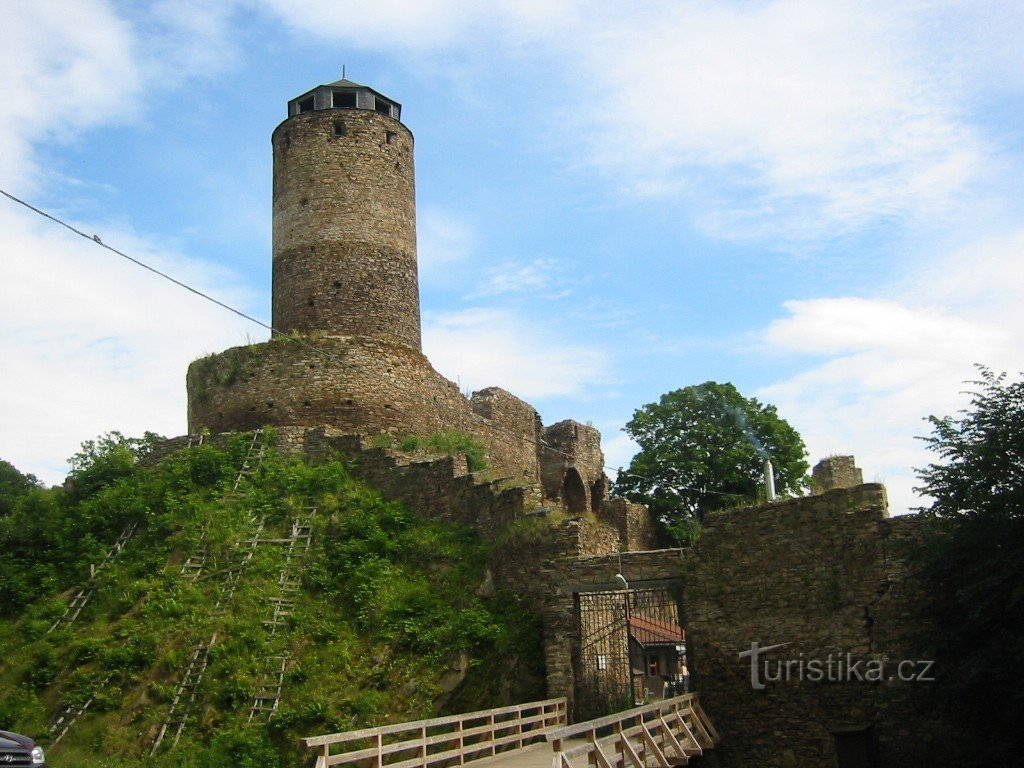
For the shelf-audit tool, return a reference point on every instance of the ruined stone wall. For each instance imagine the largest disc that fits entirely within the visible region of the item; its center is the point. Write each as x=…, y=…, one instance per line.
x=572, y=466
x=510, y=427
x=345, y=226
x=347, y=382
x=836, y=472
x=825, y=574
x=438, y=488
x=633, y=522
x=356, y=385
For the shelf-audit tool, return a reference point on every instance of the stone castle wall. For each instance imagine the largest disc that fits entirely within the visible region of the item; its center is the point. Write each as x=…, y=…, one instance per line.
x=347, y=382
x=633, y=522
x=511, y=427
x=825, y=574
x=345, y=226
x=440, y=488
x=835, y=472
x=572, y=466
x=356, y=385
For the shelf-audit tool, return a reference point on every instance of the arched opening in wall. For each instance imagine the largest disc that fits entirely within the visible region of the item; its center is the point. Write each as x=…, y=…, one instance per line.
x=631, y=649
x=597, y=492
x=574, y=492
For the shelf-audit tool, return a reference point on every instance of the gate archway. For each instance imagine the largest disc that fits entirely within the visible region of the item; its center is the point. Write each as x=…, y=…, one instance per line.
x=632, y=648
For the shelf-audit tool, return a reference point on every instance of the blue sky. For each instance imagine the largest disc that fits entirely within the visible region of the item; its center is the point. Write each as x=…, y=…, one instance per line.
x=818, y=201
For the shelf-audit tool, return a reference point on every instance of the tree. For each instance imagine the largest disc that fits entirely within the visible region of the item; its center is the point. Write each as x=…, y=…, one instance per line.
x=973, y=568
x=703, y=447
x=13, y=485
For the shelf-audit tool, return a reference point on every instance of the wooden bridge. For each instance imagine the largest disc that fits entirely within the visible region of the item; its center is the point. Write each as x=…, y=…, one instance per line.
x=536, y=735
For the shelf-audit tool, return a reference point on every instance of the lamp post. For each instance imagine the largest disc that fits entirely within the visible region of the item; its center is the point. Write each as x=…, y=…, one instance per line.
x=629, y=648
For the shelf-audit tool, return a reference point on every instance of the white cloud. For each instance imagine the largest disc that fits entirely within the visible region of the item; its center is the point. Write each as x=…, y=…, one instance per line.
x=64, y=67
x=855, y=325
x=884, y=366
x=540, y=276
x=90, y=342
x=93, y=343
x=489, y=347
x=796, y=117
x=442, y=239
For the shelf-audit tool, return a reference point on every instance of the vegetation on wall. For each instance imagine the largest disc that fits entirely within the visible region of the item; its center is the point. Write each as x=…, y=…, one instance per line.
x=703, y=447
x=441, y=444
x=387, y=598
x=972, y=570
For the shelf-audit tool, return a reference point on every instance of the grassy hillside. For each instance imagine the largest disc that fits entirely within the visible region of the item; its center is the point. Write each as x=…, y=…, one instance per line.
x=378, y=616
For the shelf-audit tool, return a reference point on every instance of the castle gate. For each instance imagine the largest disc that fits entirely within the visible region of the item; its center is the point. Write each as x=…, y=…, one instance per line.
x=631, y=649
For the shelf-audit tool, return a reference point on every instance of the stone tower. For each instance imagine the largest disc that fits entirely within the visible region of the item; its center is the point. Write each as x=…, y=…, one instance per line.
x=345, y=279
x=344, y=216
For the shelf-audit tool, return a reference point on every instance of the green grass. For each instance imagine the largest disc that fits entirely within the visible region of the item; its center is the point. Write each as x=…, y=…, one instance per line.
x=448, y=444
x=386, y=596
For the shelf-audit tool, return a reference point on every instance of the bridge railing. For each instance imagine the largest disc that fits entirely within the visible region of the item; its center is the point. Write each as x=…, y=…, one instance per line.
x=666, y=733
x=452, y=740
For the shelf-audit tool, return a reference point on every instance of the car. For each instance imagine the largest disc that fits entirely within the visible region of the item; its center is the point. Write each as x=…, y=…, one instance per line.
x=18, y=750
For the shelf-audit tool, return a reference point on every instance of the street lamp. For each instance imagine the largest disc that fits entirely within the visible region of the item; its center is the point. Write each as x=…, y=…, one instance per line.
x=629, y=648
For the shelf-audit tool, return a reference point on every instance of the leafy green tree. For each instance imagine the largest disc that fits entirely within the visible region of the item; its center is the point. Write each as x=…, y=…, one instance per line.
x=13, y=485
x=973, y=568
x=105, y=460
x=703, y=447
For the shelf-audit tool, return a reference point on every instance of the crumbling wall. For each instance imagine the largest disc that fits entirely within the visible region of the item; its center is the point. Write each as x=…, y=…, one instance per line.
x=510, y=427
x=572, y=466
x=356, y=386
x=633, y=522
x=440, y=488
x=836, y=472
x=827, y=576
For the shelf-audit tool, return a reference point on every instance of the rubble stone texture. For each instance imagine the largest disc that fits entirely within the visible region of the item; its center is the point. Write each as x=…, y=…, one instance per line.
x=826, y=573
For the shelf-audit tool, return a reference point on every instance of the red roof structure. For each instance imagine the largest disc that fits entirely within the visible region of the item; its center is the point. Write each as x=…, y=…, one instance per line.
x=653, y=632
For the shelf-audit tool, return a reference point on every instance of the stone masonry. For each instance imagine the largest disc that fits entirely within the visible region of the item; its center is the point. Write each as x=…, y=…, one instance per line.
x=345, y=226
x=824, y=574
x=835, y=472
x=346, y=354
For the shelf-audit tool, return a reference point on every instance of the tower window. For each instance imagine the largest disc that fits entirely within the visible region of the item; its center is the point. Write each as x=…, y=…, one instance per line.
x=392, y=137
x=339, y=128
x=383, y=107
x=343, y=99
x=306, y=105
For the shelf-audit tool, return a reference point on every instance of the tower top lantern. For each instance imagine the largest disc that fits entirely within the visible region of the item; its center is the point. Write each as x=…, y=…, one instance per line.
x=344, y=94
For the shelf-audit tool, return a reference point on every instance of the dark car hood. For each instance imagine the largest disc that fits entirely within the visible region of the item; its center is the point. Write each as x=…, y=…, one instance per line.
x=10, y=740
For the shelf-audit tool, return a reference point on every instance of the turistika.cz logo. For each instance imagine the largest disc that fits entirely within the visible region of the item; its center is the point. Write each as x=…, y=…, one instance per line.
x=834, y=668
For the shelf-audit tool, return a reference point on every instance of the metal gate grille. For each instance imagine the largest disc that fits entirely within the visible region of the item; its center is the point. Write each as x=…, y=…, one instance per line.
x=631, y=649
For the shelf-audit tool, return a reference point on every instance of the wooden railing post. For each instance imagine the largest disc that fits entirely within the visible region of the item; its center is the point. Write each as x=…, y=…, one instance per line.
x=461, y=742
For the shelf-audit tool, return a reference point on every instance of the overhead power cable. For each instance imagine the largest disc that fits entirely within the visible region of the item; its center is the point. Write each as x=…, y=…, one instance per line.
x=322, y=353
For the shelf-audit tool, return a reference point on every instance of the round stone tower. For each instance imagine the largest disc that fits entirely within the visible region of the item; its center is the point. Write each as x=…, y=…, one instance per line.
x=345, y=217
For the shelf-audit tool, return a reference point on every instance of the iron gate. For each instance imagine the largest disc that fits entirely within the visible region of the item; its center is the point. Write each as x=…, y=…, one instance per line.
x=631, y=649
